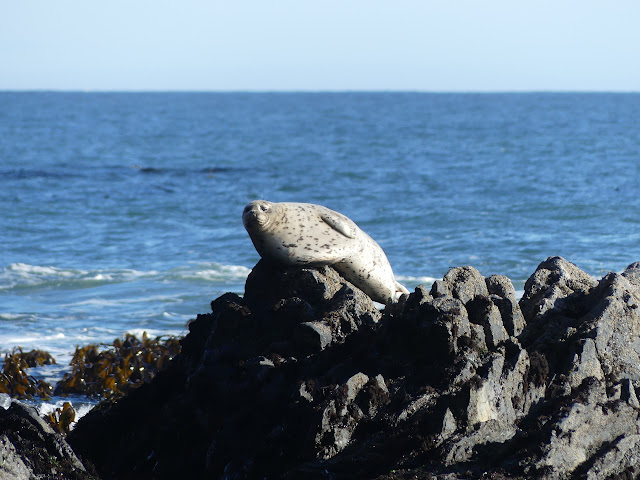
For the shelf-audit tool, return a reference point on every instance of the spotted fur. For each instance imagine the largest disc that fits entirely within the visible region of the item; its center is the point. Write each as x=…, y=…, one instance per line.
x=306, y=234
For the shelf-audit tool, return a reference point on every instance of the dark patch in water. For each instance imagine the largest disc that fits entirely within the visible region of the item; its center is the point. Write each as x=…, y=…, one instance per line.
x=185, y=171
x=26, y=174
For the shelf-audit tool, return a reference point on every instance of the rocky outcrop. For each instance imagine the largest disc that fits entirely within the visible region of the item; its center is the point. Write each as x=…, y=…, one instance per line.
x=305, y=378
x=31, y=450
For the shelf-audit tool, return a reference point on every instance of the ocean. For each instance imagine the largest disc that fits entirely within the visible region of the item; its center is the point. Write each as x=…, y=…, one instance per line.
x=121, y=212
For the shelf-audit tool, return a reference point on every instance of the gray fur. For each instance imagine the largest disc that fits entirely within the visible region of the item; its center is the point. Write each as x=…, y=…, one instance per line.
x=312, y=235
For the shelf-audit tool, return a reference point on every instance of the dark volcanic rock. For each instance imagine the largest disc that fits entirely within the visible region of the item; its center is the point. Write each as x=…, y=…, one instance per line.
x=30, y=449
x=556, y=287
x=304, y=378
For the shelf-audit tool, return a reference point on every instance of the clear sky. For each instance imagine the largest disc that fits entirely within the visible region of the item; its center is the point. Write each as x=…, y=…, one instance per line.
x=445, y=45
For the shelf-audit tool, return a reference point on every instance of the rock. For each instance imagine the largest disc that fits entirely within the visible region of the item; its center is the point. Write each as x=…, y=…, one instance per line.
x=267, y=284
x=30, y=449
x=318, y=304
x=484, y=311
x=340, y=417
x=585, y=363
x=584, y=427
x=466, y=283
x=632, y=273
x=556, y=285
x=355, y=384
x=620, y=460
x=314, y=336
x=440, y=288
x=504, y=296
x=614, y=324
x=11, y=464
x=305, y=378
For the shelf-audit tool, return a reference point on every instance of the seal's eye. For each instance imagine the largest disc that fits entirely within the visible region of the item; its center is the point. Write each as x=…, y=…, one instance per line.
x=264, y=208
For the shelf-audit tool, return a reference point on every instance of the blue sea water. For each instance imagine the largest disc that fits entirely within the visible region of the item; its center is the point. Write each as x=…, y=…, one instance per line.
x=120, y=212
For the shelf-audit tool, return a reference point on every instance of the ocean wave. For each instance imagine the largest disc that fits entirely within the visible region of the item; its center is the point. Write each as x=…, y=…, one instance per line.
x=29, y=339
x=101, y=302
x=17, y=317
x=416, y=280
x=211, y=272
x=22, y=275
x=61, y=346
x=153, y=333
x=82, y=406
x=19, y=275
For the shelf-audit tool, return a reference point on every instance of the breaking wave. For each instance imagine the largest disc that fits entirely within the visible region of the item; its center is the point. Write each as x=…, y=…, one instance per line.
x=22, y=275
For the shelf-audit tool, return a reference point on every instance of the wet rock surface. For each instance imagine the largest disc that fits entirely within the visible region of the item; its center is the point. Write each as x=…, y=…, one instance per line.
x=305, y=378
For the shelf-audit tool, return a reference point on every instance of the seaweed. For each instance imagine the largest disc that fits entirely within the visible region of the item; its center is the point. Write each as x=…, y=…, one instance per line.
x=14, y=379
x=105, y=371
x=62, y=418
x=109, y=373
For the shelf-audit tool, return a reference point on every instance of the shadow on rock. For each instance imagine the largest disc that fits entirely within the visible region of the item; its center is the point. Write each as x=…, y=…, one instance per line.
x=305, y=378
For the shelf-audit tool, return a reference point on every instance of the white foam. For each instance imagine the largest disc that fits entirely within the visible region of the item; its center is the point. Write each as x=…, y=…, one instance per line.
x=22, y=275
x=177, y=316
x=60, y=345
x=30, y=338
x=102, y=302
x=152, y=333
x=82, y=406
x=25, y=275
x=416, y=280
x=17, y=316
x=25, y=269
x=120, y=275
x=212, y=272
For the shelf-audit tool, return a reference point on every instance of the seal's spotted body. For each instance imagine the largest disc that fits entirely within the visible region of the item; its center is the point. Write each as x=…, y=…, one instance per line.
x=307, y=234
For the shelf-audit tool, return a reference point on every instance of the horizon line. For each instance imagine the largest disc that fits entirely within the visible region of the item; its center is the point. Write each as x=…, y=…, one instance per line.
x=291, y=91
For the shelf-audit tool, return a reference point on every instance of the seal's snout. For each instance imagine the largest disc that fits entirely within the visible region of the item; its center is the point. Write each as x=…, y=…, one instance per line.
x=249, y=215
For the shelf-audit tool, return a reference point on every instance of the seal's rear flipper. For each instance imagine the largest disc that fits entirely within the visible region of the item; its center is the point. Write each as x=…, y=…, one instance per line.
x=400, y=290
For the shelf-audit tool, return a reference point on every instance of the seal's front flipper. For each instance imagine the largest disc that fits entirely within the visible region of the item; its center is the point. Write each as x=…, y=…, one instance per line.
x=340, y=224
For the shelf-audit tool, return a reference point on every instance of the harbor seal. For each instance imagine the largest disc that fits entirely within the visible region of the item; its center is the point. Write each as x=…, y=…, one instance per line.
x=304, y=234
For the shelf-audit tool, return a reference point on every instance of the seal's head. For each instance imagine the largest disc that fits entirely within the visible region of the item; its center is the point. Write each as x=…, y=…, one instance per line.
x=257, y=215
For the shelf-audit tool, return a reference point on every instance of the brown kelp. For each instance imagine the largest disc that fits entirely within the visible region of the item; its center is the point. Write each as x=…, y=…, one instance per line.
x=110, y=372
x=14, y=379
x=62, y=418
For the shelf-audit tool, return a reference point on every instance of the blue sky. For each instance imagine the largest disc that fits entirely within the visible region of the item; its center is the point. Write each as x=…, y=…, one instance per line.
x=453, y=45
